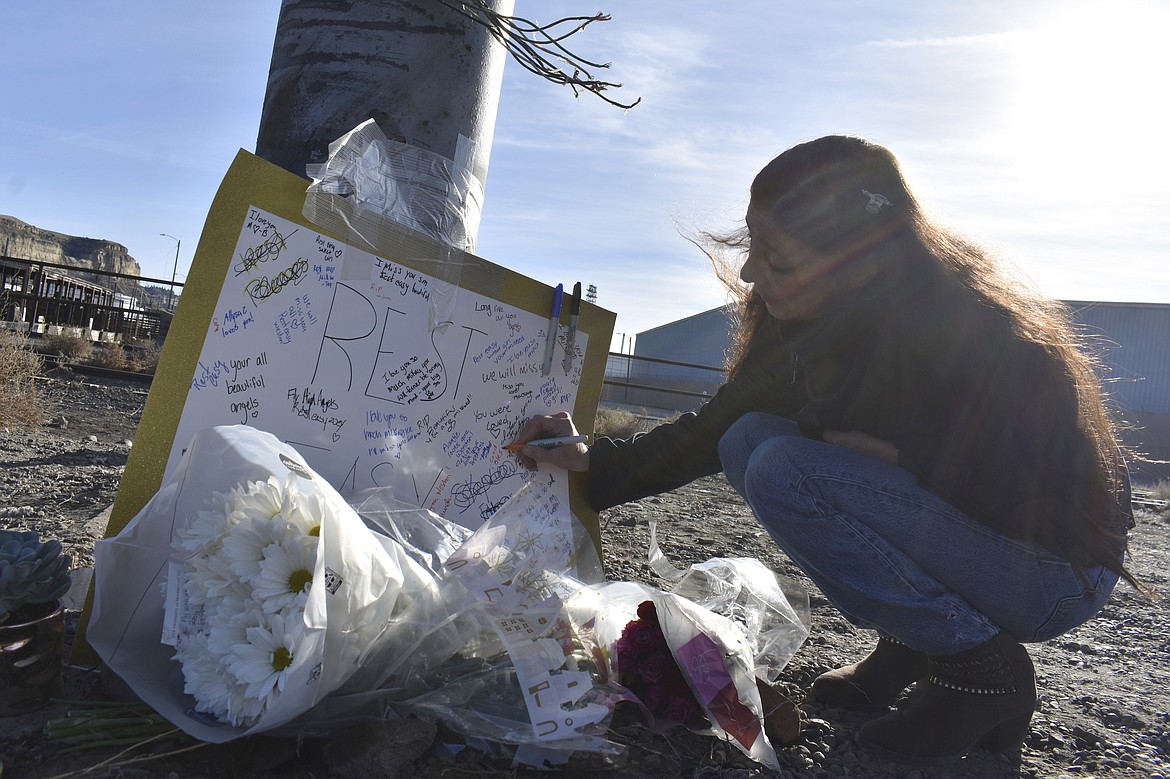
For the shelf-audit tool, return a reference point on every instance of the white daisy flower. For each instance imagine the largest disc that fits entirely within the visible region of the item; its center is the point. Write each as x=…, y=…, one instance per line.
x=262, y=662
x=306, y=510
x=203, y=535
x=204, y=676
x=228, y=629
x=235, y=608
x=286, y=574
x=210, y=577
x=244, y=710
x=260, y=500
x=249, y=563
x=243, y=547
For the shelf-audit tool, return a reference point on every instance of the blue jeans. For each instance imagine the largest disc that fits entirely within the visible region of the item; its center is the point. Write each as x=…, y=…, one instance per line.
x=893, y=556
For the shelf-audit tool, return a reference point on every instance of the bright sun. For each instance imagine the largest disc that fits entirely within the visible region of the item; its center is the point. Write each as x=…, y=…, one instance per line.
x=1090, y=98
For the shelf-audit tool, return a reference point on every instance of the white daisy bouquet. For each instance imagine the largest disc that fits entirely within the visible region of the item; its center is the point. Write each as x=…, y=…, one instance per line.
x=265, y=585
x=243, y=585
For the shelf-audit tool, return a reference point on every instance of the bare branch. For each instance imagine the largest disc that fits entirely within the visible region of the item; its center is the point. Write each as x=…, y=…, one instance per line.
x=538, y=47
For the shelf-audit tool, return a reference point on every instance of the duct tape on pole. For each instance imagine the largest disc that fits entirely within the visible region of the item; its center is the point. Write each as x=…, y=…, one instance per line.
x=424, y=73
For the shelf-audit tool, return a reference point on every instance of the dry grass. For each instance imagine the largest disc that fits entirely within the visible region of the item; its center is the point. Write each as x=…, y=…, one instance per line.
x=111, y=356
x=20, y=404
x=1161, y=491
x=617, y=423
x=137, y=356
x=143, y=356
x=70, y=347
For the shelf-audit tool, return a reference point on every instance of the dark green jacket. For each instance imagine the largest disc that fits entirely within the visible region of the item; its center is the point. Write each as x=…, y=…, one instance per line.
x=984, y=419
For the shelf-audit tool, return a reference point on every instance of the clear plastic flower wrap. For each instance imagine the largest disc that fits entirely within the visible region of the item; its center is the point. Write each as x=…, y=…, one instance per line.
x=296, y=612
x=491, y=650
x=772, y=611
x=293, y=612
x=257, y=577
x=712, y=652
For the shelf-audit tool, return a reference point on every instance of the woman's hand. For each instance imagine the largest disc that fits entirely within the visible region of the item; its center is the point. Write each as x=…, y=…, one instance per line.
x=571, y=457
x=863, y=443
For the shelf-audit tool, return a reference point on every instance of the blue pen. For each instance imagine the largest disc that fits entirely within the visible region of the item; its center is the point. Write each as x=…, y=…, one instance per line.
x=554, y=323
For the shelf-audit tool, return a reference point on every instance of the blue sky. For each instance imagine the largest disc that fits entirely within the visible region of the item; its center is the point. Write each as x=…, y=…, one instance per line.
x=1037, y=128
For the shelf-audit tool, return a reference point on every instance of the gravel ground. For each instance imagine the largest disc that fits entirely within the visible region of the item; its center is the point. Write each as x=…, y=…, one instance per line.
x=1104, y=688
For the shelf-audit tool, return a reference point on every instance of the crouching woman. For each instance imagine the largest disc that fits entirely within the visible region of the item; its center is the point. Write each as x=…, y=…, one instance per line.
x=924, y=439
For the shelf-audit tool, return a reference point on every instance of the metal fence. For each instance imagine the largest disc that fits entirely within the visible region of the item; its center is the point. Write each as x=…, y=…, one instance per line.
x=652, y=383
x=48, y=298
x=660, y=388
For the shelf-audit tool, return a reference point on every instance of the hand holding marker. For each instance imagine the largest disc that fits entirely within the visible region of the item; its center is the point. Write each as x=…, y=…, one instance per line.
x=554, y=440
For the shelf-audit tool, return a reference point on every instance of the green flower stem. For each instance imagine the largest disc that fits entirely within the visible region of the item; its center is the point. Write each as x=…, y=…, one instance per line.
x=60, y=733
x=90, y=705
x=117, y=762
x=105, y=723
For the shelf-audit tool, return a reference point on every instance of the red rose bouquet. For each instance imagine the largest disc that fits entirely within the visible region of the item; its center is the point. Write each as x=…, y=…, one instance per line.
x=683, y=662
x=646, y=668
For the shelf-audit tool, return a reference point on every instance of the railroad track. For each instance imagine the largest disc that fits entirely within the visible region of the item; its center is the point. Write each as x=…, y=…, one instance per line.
x=56, y=362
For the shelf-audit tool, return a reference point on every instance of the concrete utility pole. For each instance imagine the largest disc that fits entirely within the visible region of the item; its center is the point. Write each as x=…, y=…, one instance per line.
x=425, y=73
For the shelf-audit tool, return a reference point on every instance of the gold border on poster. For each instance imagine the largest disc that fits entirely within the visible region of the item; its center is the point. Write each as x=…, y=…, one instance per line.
x=250, y=181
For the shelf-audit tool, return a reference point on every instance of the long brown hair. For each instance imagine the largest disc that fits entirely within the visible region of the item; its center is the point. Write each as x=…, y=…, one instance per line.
x=819, y=191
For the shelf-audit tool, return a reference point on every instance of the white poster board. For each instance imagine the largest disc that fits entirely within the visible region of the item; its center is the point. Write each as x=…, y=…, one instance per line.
x=332, y=350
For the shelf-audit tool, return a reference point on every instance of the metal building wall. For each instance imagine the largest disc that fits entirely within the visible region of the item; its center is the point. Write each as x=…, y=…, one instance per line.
x=1134, y=339
x=1134, y=344
x=700, y=340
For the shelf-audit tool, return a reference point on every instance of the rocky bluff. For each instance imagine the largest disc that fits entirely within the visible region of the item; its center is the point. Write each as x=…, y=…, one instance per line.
x=26, y=242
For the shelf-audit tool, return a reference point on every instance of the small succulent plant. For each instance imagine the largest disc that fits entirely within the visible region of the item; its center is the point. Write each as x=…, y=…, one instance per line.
x=32, y=573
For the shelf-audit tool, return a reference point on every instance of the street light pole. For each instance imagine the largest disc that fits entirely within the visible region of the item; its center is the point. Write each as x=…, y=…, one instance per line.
x=175, y=272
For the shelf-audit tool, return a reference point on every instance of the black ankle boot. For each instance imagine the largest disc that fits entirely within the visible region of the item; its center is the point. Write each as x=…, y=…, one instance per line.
x=982, y=697
x=872, y=683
